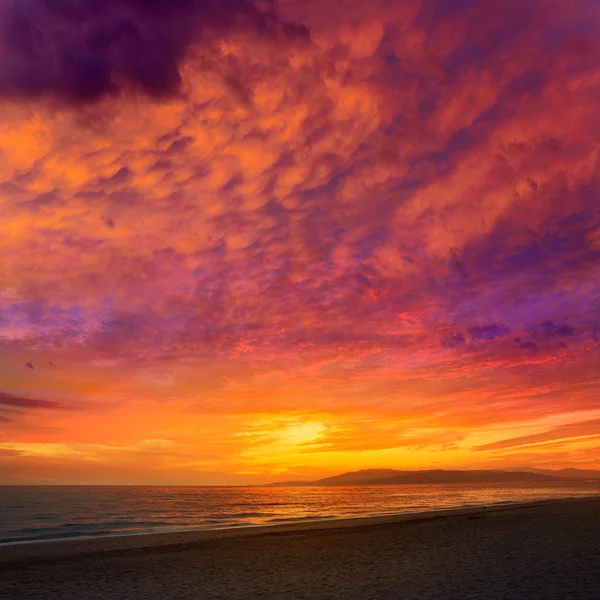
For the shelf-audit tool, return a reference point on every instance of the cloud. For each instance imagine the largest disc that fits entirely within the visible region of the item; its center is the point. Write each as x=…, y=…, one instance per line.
x=365, y=437
x=80, y=52
x=8, y=452
x=563, y=432
x=389, y=221
x=526, y=345
x=453, y=340
x=548, y=329
x=109, y=222
x=13, y=401
x=488, y=332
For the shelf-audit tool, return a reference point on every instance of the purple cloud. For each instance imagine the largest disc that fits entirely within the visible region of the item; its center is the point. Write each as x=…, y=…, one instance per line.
x=548, y=329
x=453, y=340
x=488, y=332
x=81, y=51
x=526, y=345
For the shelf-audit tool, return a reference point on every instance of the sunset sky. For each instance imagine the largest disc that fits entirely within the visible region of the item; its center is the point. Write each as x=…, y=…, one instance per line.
x=251, y=241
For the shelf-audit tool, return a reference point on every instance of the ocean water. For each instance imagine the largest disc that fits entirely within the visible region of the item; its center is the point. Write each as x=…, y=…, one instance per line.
x=57, y=512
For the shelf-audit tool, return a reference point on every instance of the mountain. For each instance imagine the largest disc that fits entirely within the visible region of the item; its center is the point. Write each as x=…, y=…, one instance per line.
x=574, y=474
x=359, y=477
x=441, y=476
x=395, y=477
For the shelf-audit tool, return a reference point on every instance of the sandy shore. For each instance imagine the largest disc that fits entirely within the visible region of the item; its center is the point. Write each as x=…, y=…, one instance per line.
x=546, y=550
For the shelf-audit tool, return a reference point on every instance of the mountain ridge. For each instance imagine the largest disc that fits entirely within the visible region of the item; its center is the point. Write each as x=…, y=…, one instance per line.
x=432, y=476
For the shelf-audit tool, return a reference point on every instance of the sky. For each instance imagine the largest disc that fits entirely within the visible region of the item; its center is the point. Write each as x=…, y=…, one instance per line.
x=250, y=241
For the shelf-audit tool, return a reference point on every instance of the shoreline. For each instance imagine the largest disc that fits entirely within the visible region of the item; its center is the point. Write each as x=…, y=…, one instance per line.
x=60, y=547
x=539, y=550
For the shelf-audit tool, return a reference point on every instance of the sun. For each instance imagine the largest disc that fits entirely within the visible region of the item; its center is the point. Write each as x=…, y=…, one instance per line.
x=301, y=433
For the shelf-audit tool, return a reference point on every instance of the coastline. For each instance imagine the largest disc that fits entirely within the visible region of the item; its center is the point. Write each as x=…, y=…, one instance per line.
x=544, y=550
x=64, y=547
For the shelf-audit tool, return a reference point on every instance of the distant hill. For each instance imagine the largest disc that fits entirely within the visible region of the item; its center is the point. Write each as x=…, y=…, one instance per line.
x=575, y=474
x=395, y=477
x=358, y=477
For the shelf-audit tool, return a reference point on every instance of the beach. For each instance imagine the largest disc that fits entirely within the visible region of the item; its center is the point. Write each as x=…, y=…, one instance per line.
x=546, y=550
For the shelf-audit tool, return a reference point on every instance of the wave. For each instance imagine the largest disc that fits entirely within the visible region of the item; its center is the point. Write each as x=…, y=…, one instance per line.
x=304, y=518
x=69, y=530
x=47, y=513
x=234, y=515
x=56, y=536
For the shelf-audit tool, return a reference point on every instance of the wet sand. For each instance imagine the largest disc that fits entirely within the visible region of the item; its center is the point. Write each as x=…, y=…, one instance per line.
x=546, y=550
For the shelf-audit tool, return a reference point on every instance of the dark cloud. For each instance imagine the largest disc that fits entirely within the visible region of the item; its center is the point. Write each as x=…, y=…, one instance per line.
x=488, y=332
x=9, y=452
x=22, y=402
x=453, y=340
x=79, y=51
x=42, y=202
x=548, y=329
x=526, y=345
x=122, y=176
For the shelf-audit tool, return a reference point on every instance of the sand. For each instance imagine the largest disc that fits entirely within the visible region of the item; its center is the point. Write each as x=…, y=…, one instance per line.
x=546, y=550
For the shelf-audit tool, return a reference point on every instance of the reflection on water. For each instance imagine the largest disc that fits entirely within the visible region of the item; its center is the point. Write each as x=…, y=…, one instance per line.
x=46, y=512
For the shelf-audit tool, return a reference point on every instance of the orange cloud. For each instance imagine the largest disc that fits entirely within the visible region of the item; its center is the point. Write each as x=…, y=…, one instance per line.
x=377, y=221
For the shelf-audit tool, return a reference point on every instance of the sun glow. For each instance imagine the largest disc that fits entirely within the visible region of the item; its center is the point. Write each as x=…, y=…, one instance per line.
x=301, y=433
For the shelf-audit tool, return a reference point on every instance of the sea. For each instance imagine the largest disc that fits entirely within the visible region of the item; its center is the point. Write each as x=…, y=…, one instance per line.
x=36, y=513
